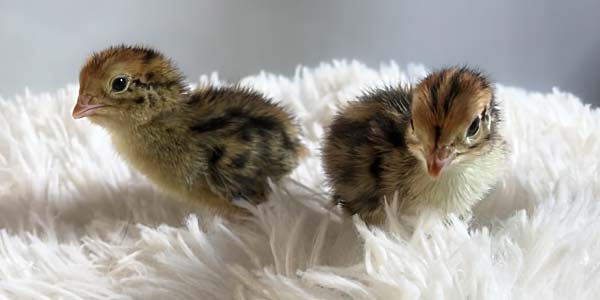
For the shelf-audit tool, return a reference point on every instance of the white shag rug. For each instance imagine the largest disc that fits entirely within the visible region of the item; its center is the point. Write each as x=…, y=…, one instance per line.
x=77, y=223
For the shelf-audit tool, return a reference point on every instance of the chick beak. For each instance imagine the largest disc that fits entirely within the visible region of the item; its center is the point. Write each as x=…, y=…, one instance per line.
x=438, y=160
x=83, y=108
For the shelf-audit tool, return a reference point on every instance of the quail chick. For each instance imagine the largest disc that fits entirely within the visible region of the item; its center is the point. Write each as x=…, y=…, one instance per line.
x=433, y=146
x=211, y=145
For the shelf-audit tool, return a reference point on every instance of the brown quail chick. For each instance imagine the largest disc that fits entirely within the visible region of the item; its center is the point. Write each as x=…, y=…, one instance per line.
x=212, y=145
x=434, y=146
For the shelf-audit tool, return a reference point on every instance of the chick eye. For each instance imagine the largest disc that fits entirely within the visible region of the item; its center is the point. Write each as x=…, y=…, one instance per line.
x=474, y=127
x=119, y=84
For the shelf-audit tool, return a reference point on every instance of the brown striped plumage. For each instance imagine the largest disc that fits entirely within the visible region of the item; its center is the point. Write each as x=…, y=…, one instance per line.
x=211, y=145
x=434, y=146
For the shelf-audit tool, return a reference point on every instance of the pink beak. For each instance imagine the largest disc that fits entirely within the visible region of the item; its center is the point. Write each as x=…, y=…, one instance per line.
x=438, y=160
x=83, y=108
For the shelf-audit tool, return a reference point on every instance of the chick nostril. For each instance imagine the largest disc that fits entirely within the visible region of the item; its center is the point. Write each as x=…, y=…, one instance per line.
x=84, y=99
x=443, y=153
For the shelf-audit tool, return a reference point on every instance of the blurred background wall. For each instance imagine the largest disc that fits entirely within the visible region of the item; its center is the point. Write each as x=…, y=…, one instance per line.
x=534, y=44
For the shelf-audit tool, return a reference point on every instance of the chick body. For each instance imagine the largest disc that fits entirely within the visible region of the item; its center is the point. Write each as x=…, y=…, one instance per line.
x=371, y=151
x=212, y=145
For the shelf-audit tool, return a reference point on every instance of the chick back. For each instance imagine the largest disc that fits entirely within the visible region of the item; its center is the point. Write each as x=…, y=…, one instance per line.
x=246, y=139
x=365, y=139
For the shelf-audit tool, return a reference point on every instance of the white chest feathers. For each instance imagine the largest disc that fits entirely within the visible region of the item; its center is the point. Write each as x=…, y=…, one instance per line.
x=458, y=188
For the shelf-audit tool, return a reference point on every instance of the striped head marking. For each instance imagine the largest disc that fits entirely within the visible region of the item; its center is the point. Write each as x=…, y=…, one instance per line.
x=126, y=84
x=451, y=117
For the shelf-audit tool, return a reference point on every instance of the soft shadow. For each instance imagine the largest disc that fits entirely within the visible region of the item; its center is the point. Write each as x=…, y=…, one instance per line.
x=507, y=198
x=98, y=209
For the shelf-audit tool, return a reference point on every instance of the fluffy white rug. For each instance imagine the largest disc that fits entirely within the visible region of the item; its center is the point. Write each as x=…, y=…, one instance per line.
x=77, y=223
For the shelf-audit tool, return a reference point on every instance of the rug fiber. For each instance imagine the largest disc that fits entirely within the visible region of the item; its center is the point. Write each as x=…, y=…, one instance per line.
x=77, y=223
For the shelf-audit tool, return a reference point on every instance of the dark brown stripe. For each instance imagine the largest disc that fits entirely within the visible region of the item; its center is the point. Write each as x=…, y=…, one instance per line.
x=239, y=162
x=207, y=96
x=149, y=55
x=353, y=132
x=216, y=154
x=263, y=122
x=245, y=135
x=375, y=168
x=211, y=125
x=249, y=187
x=238, y=116
x=392, y=132
x=140, y=84
x=433, y=90
x=454, y=90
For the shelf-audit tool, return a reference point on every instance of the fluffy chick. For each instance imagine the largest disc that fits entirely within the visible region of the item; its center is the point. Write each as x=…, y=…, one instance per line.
x=211, y=145
x=433, y=146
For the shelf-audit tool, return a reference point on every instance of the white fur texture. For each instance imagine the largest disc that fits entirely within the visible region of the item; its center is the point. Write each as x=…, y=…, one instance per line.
x=77, y=223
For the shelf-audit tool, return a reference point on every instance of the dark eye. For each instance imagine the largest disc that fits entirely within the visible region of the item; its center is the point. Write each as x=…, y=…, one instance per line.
x=473, y=128
x=119, y=84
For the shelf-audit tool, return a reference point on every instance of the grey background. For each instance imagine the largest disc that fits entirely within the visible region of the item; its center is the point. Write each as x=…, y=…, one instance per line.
x=534, y=44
